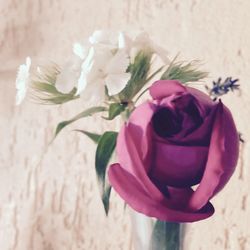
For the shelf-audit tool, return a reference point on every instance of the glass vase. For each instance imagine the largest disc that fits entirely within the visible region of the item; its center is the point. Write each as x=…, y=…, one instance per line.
x=153, y=234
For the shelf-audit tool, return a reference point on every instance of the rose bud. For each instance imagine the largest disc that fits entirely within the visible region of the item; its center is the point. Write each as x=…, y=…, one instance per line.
x=177, y=140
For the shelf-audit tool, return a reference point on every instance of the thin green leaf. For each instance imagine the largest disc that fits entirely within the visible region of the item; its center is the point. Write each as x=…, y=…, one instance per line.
x=114, y=110
x=43, y=86
x=105, y=198
x=47, y=93
x=94, y=137
x=165, y=235
x=154, y=74
x=104, y=152
x=139, y=71
x=83, y=114
x=188, y=72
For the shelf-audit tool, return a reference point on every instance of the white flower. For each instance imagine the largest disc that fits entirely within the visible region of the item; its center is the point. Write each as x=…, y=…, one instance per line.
x=115, y=74
x=106, y=68
x=79, y=50
x=103, y=59
x=67, y=78
x=22, y=80
x=70, y=72
x=109, y=39
x=85, y=70
x=143, y=42
x=106, y=63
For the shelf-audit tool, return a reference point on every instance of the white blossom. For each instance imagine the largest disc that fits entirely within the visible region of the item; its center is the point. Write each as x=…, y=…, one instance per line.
x=22, y=80
x=70, y=72
x=115, y=74
x=106, y=68
x=143, y=42
x=108, y=39
x=85, y=70
x=104, y=59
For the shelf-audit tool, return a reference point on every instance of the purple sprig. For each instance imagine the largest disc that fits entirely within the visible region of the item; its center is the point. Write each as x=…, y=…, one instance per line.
x=222, y=87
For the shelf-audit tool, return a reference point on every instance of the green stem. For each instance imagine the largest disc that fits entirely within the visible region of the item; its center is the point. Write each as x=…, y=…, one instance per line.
x=166, y=236
x=155, y=73
x=147, y=80
x=139, y=96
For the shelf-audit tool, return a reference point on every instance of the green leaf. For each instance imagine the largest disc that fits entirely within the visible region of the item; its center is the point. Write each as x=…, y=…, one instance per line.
x=43, y=86
x=94, y=137
x=188, y=72
x=104, y=152
x=165, y=235
x=114, y=110
x=105, y=198
x=46, y=93
x=85, y=113
x=139, y=71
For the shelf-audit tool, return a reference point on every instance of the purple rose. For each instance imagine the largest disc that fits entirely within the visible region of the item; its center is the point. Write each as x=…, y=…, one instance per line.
x=177, y=140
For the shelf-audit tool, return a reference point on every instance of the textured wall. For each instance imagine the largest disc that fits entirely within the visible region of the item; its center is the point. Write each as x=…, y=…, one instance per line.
x=49, y=198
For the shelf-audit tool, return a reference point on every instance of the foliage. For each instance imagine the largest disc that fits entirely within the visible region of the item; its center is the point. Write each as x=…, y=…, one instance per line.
x=184, y=72
x=85, y=113
x=94, y=137
x=44, y=90
x=104, y=151
x=139, y=71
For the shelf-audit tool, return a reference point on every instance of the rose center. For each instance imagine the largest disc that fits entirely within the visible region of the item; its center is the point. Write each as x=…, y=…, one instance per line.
x=166, y=123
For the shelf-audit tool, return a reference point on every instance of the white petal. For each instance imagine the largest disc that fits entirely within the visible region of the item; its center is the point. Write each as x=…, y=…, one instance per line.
x=107, y=37
x=79, y=50
x=86, y=68
x=102, y=56
x=28, y=62
x=22, y=80
x=99, y=36
x=142, y=40
x=116, y=82
x=162, y=53
x=67, y=78
x=118, y=63
x=94, y=93
x=121, y=41
x=124, y=42
x=39, y=71
x=65, y=81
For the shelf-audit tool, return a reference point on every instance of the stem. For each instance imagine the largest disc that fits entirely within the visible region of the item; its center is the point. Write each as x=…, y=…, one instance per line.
x=147, y=80
x=155, y=73
x=166, y=236
x=142, y=93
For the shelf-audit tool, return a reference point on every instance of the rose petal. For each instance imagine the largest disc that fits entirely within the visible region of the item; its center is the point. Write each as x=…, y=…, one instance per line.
x=164, y=88
x=200, y=136
x=178, y=166
x=222, y=158
x=130, y=160
x=140, y=127
x=204, y=101
x=140, y=200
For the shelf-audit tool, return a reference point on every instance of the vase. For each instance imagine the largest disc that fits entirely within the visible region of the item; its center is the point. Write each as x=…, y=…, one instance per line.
x=152, y=234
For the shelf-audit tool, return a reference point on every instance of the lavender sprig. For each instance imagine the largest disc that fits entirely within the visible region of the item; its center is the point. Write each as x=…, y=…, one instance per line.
x=221, y=88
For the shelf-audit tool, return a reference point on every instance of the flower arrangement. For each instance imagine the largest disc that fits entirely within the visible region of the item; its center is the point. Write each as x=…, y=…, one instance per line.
x=178, y=138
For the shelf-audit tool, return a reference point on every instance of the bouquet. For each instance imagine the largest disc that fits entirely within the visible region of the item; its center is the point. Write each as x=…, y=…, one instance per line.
x=178, y=146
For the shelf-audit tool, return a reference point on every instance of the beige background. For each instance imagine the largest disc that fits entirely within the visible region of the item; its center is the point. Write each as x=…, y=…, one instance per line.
x=49, y=200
